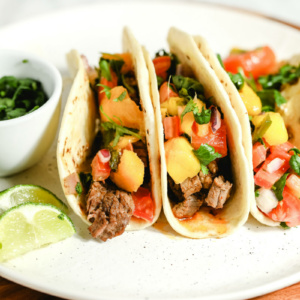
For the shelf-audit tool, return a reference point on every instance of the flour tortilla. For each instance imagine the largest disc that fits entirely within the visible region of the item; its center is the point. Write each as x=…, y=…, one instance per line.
x=236, y=210
x=79, y=128
x=290, y=112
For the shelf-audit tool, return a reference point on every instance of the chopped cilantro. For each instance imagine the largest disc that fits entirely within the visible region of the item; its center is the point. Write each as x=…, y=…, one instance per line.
x=220, y=60
x=187, y=87
x=105, y=71
x=279, y=186
x=284, y=225
x=237, y=79
x=19, y=97
x=121, y=97
x=257, y=193
x=261, y=130
x=295, y=160
x=205, y=155
x=271, y=97
x=203, y=117
x=114, y=160
x=78, y=188
x=191, y=106
x=106, y=90
x=25, y=61
x=86, y=180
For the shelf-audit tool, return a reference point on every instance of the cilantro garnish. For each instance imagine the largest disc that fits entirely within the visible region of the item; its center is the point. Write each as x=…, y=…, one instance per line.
x=295, y=160
x=284, y=225
x=78, y=188
x=121, y=97
x=220, y=60
x=105, y=71
x=116, y=129
x=257, y=193
x=261, y=130
x=203, y=117
x=286, y=74
x=19, y=97
x=205, y=155
x=86, y=180
x=237, y=79
x=191, y=106
x=106, y=90
x=279, y=186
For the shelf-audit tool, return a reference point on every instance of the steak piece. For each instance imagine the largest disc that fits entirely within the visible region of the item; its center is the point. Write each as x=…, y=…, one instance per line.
x=206, y=180
x=176, y=190
x=141, y=150
x=218, y=193
x=191, y=186
x=213, y=167
x=108, y=210
x=188, y=207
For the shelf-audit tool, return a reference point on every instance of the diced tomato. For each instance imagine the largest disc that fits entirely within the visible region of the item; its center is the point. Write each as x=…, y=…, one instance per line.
x=287, y=210
x=144, y=206
x=171, y=127
x=166, y=92
x=217, y=140
x=285, y=147
x=113, y=83
x=265, y=179
x=162, y=64
x=100, y=165
x=258, y=62
x=259, y=153
x=293, y=183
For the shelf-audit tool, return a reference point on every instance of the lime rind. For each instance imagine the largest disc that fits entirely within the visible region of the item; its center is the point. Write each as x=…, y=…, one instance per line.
x=6, y=202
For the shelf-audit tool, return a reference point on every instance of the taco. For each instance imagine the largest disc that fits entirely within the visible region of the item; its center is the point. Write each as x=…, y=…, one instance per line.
x=265, y=94
x=204, y=171
x=107, y=150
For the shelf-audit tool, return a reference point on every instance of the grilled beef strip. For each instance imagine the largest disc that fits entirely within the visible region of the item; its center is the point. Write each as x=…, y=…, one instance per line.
x=188, y=207
x=218, y=193
x=109, y=211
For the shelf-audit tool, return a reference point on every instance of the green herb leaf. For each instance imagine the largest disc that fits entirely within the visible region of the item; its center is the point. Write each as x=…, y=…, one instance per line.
x=191, y=106
x=106, y=90
x=160, y=81
x=86, y=180
x=187, y=86
x=295, y=160
x=104, y=68
x=283, y=225
x=237, y=79
x=271, y=97
x=261, y=130
x=78, y=188
x=279, y=186
x=25, y=61
x=205, y=155
x=203, y=117
x=257, y=193
x=114, y=160
x=121, y=97
x=119, y=129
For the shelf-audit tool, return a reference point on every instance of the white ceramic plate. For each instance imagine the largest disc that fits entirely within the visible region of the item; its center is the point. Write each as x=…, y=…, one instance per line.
x=150, y=264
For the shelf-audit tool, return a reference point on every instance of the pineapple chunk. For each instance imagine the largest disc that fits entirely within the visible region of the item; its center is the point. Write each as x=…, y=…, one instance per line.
x=276, y=134
x=130, y=173
x=251, y=100
x=181, y=161
x=171, y=105
x=124, y=141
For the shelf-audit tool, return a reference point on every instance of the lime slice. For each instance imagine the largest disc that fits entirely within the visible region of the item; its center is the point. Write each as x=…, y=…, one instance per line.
x=28, y=193
x=31, y=225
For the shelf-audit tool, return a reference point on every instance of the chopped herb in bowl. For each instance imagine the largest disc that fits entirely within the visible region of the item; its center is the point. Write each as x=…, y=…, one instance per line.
x=20, y=96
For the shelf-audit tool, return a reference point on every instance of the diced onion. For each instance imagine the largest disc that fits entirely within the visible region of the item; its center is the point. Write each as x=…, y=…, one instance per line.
x=275, y=165
x=215, y=119
x=266, y=200
x=104, y=155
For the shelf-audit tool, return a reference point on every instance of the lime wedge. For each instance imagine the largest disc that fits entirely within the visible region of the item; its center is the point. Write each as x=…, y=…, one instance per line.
x=28, y=193
x=31, y=225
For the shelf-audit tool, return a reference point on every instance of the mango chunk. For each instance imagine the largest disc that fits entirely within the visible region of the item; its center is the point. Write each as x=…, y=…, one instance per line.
x=181, y=161
x=276, y=134
x=130, y=173
x=251, y=100
x=124, y=141
x=188, y=119
x=125, y=111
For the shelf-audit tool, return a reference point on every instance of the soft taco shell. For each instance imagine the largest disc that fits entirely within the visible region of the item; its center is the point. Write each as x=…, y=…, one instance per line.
x=79, y=128
x=236, y=210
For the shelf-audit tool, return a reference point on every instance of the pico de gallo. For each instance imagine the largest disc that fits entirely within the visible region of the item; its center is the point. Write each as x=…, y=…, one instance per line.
x=260, y=80
x=195, y=137
x=118, y=187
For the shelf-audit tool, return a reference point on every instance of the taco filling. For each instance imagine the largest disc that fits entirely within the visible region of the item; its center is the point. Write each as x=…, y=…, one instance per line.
x=115, y=183
x=195, y=143
x=269, y=91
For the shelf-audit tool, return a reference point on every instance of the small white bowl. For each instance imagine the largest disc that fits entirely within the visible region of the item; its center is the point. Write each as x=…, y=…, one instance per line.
x=24, y=140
